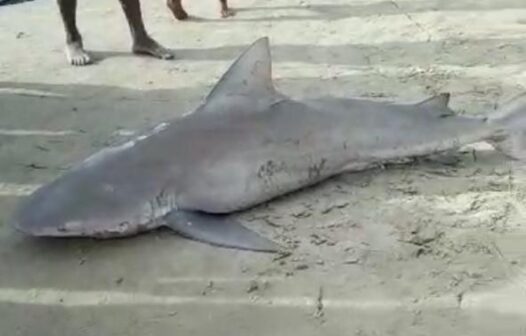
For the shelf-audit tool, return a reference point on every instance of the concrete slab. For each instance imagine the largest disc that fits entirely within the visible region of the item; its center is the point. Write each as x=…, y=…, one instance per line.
x=426, y=249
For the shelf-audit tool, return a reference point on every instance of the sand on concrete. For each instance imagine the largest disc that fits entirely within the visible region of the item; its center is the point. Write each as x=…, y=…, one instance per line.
x=429, y=248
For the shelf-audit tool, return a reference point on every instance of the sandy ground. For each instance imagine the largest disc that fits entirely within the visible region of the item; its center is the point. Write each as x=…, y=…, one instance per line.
x=432, y=248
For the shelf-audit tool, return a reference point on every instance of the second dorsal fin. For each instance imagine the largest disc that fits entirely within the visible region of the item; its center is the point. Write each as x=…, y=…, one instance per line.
x=437, y=105
x=440, y=100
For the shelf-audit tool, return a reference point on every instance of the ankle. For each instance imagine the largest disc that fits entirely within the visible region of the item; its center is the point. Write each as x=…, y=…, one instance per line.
x=75, y=39
x=143, y=39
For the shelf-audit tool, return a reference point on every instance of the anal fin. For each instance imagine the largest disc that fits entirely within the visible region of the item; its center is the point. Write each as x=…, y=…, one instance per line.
x=218, y=230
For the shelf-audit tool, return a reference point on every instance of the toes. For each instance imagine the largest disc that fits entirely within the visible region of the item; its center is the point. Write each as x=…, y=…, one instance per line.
x=77, y=56
x=152, y=48
x=227, y=12
x=166, y=55
x=86, y=59
x=79, y=60
x=82, y=59
x=160, y=53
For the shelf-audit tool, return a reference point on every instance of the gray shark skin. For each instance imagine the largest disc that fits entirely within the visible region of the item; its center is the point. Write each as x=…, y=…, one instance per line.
x=246, y=144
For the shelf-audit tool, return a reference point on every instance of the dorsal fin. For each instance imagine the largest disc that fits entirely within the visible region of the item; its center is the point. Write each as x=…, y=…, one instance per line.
x=250, y=74
x=437, y=105
x=441, y=100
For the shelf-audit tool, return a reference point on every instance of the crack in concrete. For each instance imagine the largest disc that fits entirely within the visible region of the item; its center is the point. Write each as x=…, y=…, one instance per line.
x=319, y=313
x=410, y=18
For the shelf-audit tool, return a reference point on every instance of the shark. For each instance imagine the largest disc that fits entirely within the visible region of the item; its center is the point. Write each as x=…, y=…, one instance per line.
x=246, y=144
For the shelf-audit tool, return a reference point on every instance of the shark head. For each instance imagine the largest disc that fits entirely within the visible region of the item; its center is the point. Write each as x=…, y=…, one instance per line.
x=81, y=203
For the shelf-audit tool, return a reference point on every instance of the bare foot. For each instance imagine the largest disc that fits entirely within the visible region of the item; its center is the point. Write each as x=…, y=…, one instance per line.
x=180, y=15
x=148, y=46
x=76, y=54
x=178, y=12
x=226, y=12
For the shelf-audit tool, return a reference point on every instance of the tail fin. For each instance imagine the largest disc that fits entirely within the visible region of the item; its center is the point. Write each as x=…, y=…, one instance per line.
x=511, y=122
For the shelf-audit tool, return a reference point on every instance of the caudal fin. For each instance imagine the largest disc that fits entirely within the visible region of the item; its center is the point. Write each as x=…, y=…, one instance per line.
x=511, y=122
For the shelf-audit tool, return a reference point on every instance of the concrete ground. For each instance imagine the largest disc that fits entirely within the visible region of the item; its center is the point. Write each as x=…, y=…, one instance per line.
x=435, y=248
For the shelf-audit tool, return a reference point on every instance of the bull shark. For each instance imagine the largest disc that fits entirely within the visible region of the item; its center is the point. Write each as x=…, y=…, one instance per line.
x=246, y=144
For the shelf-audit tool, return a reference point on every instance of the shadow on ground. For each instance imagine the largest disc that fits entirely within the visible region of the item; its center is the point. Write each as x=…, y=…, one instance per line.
x=329, y=12
x=461, y=51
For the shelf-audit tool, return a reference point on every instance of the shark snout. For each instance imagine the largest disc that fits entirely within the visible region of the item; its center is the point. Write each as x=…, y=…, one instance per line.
x=45, y=213
x=30, y=220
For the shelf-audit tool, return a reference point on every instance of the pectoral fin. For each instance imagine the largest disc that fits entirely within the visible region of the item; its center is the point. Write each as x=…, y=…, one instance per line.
x=219, y=230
